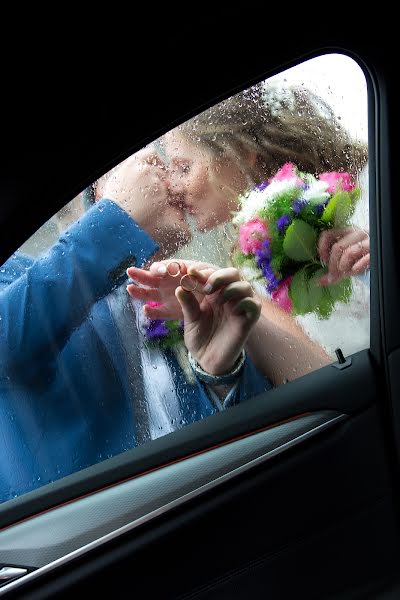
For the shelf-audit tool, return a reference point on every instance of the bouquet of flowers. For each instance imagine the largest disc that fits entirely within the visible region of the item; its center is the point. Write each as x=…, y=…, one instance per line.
x=280, y=222
x=161, y=333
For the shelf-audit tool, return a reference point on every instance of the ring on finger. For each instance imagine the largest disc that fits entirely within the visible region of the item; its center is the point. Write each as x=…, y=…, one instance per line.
x=189, y=283
x=174, y=268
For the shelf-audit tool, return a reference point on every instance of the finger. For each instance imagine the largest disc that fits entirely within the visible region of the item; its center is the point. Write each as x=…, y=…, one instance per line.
x=200, y=274
x=220, y=278
x=236, y=291
x=328, y=279
x=250, y=307
x=143, y=277
x=361, y=265
x=146, y=294
x=326, y=241
x=346, y=236
x=350, y=256
x=358, y=236
x=334, y=260
x=349, y=265
x=160, y=269
x=190, y=306
x=341, y=256
x=159, y=312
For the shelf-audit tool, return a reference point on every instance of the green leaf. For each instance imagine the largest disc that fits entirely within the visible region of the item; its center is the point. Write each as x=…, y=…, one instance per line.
x=239, y=258
x=355, y=195
x=308, y=296
x=244, y=260
x=276, y=264
x=174, y=326
x=329, y=212
x=300, y=242
x=325, y=305
x=298, y=293
x=340, y=292
x=315, y=291
x=340, y=208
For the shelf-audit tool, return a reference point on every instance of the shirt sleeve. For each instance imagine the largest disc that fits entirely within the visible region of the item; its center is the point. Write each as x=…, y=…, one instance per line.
x=251, y=383
x=41, y=308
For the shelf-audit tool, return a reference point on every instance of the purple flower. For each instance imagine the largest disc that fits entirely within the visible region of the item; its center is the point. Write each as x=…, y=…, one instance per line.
x=263, y=258
x=261, y=186
x=298, y=205
x=264, y=254
x=319, y=209
x=269, y=274
x=156, y=329
x=283, y=223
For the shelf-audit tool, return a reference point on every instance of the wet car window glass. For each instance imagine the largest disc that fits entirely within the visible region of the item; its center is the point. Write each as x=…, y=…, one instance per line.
x=247, y=228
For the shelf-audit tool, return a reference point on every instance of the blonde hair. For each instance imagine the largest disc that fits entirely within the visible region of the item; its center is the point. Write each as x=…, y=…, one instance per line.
x=277, y=125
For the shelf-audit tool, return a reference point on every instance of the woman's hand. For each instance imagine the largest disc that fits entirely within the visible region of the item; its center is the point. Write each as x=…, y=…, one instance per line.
x=345, y=252
x=217, y=326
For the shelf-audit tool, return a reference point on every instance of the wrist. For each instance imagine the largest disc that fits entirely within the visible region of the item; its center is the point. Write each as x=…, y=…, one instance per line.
x=218, y=366
x=229, y=377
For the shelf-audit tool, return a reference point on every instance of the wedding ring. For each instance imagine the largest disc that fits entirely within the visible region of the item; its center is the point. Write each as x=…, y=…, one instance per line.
x=174, y=268
x=189, y=283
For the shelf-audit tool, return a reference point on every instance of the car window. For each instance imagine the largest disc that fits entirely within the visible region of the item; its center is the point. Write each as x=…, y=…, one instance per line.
x=254, y=212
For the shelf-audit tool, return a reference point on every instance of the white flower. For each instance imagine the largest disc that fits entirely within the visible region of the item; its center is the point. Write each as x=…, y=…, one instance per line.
x=316, y=193
x=259, y=199
x=251, y=204
x=276, y=188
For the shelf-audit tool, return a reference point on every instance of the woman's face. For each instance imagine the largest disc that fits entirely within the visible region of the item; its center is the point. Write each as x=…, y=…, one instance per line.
x=207, y=187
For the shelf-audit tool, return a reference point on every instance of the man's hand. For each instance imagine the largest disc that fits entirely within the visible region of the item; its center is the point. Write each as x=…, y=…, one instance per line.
x=217, y=326
x=160, y=287
x=219, y=315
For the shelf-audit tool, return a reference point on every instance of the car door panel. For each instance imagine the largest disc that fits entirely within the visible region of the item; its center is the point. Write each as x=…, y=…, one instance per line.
x=288, y=401
x=336, y=496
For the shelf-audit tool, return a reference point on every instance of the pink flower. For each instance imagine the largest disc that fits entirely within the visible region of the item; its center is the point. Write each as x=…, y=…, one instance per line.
x=288, y=171
x=335, y=180
x=281, y=295
x=251, y=235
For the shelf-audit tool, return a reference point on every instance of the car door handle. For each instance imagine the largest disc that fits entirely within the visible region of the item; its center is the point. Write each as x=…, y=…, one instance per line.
x=9, y=573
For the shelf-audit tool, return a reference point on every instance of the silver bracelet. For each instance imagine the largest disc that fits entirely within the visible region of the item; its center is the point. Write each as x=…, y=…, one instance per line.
x=218, y=379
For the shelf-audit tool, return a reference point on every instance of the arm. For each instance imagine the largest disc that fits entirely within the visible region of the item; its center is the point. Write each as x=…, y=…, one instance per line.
x=40, y=310
x=280, y=348
x=218, y=316
x=277, y=345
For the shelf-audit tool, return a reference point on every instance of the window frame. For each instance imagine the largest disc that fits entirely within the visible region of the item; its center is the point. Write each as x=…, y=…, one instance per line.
x=252, y=416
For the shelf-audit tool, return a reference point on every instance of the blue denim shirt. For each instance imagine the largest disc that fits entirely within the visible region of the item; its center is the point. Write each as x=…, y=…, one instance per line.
x=68, y=395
